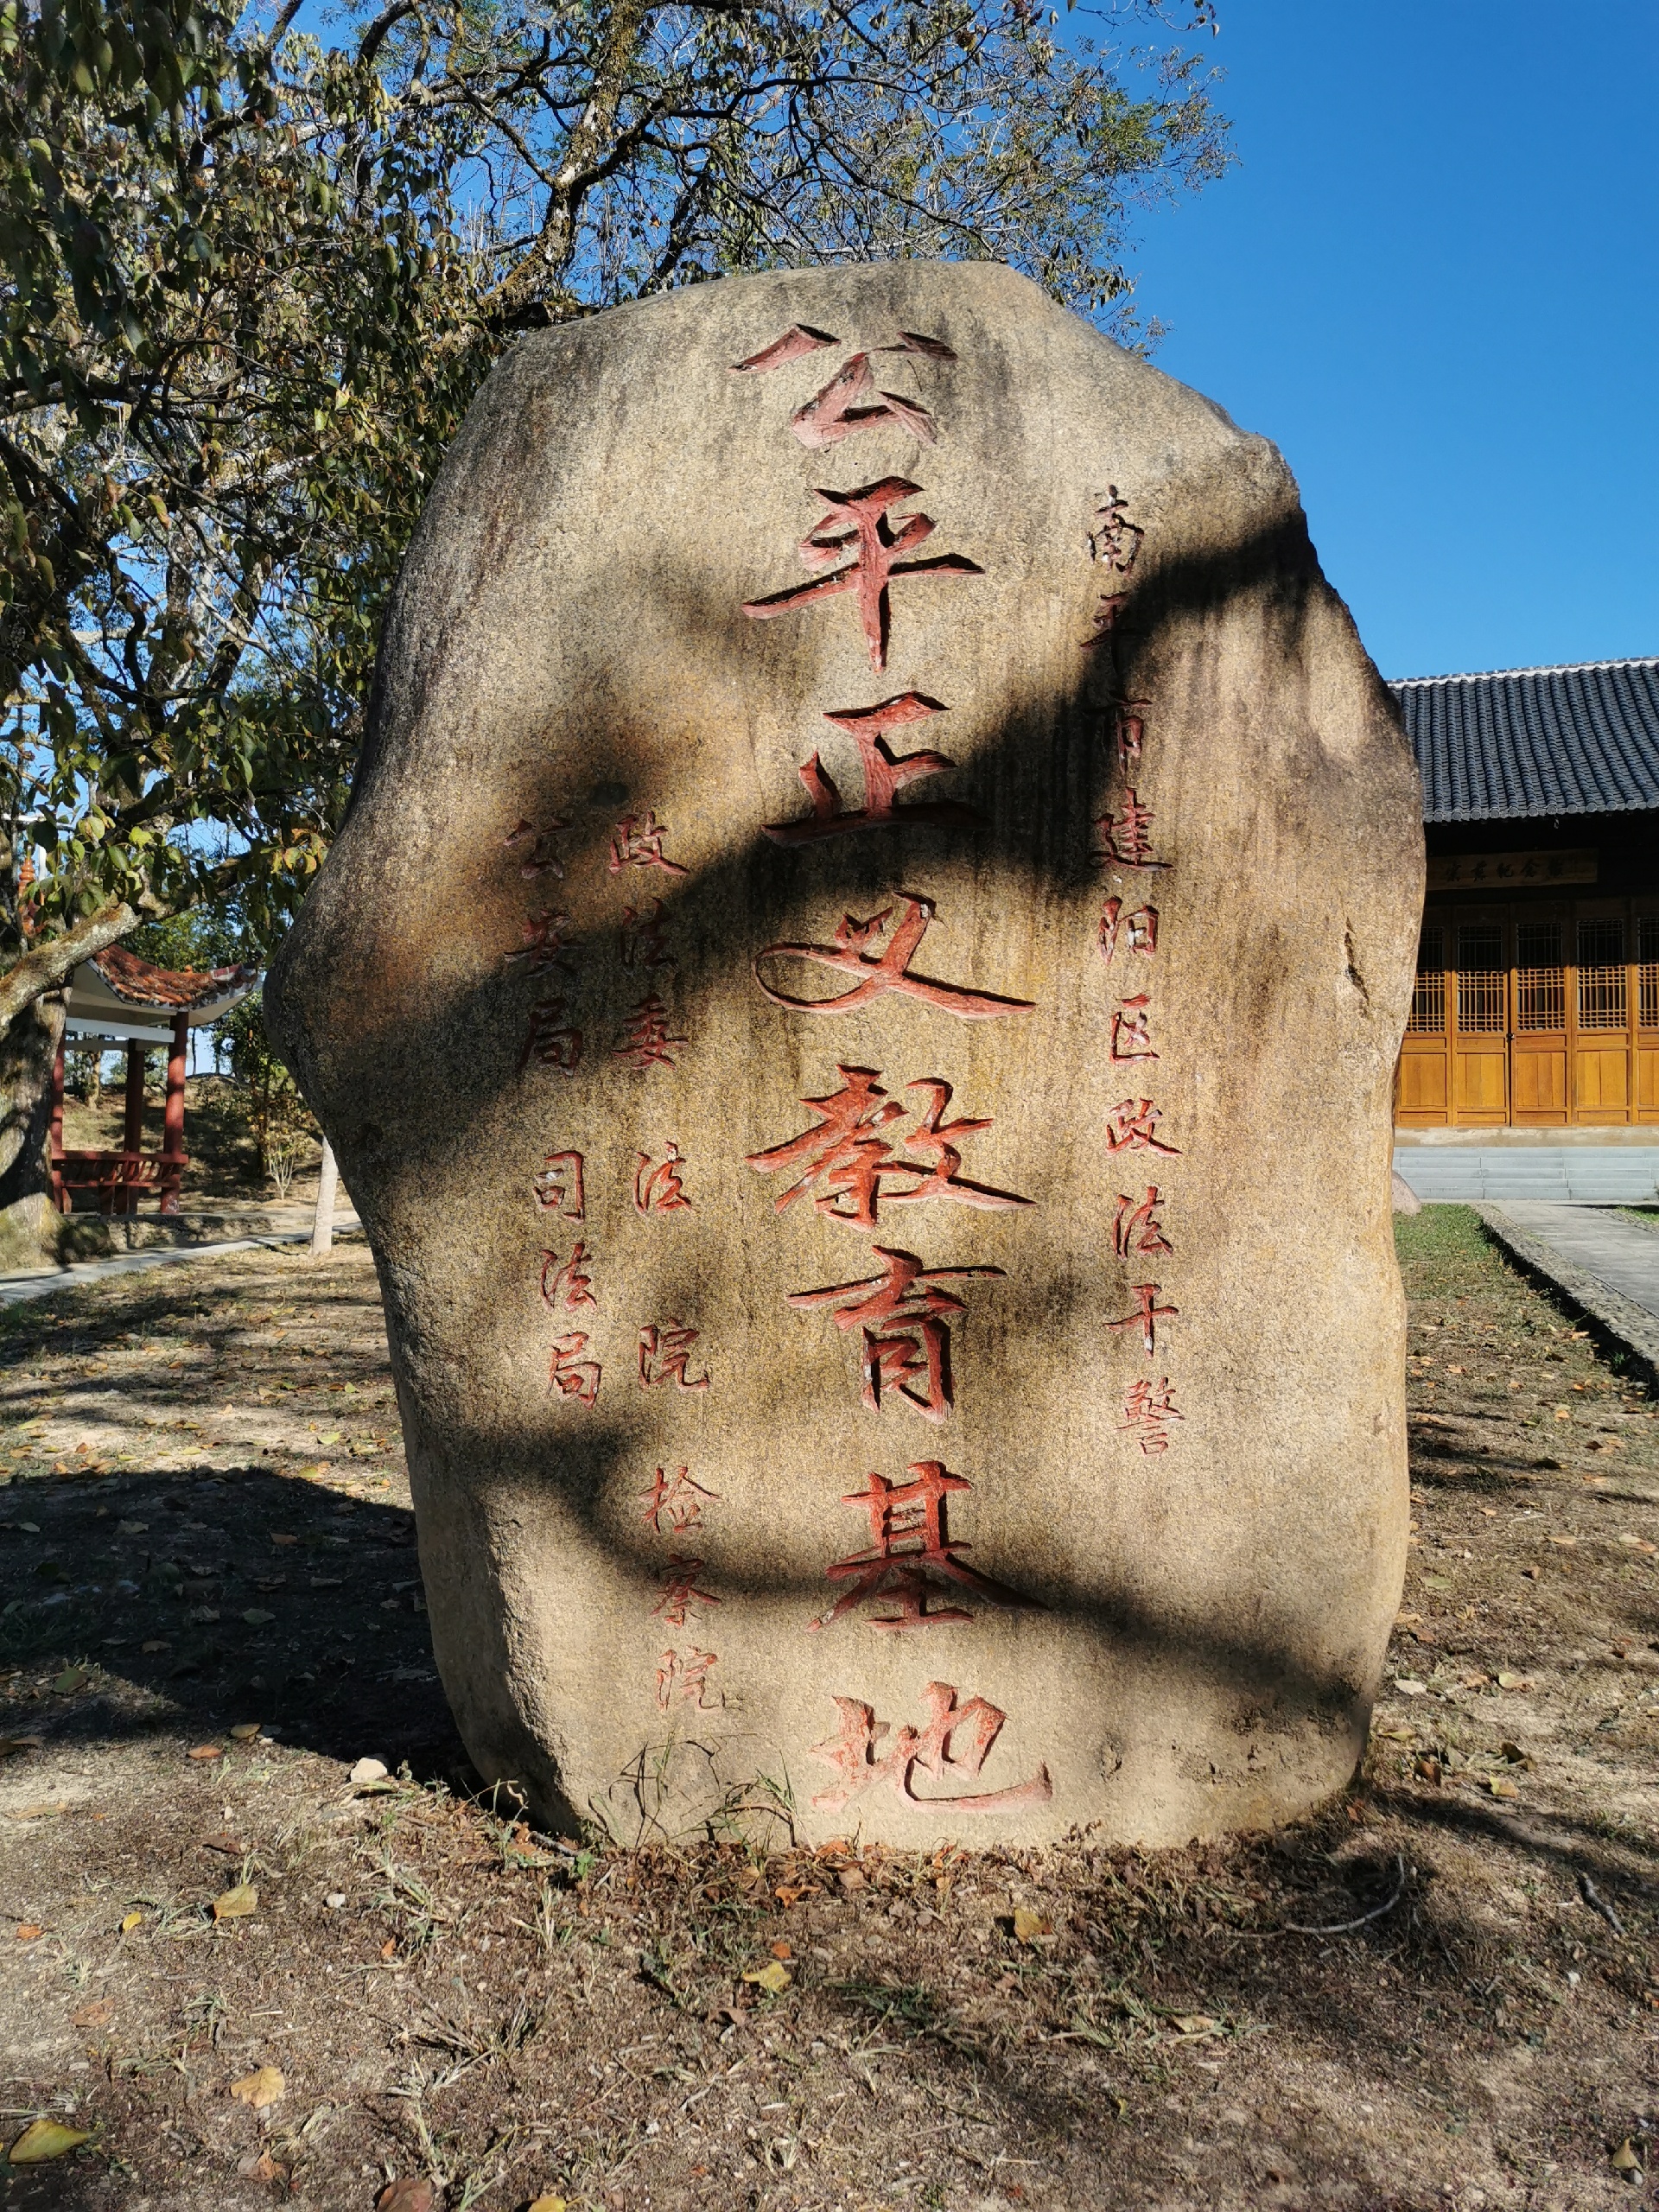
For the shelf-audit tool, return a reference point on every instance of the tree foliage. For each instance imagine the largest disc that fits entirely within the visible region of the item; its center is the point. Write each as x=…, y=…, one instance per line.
x=251, y=284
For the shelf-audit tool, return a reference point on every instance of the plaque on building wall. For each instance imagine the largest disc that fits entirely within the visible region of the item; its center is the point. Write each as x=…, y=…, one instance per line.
x=1505, y=871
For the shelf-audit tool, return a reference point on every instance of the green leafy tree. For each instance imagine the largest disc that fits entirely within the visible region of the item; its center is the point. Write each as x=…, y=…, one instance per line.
x=251, y=285
x=235, y=343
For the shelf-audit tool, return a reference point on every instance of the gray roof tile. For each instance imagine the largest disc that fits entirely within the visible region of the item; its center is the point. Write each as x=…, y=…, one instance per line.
x=1579, y=739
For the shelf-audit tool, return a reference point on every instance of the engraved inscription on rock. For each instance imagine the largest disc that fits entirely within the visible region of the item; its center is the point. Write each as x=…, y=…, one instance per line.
x=857, y=1001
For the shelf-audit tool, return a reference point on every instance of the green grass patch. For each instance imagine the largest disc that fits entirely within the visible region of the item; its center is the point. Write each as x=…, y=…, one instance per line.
x=1445, y=1253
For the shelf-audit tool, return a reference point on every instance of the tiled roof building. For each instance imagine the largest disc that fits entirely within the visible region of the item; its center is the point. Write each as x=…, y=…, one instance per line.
x=1535, y=742
x=1537, y=1000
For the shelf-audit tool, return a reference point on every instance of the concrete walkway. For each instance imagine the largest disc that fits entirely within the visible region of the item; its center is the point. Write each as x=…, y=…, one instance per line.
x=1607, y=1266
x=17, y=1290
x=1622, y=1253
x=1580, y=1174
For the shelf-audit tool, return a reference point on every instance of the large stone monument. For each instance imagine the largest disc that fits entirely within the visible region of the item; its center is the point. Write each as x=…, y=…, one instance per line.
x=857, y=1000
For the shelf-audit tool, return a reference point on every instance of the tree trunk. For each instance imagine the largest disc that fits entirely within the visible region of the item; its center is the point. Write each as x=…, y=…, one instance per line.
x=29, y=1052
x=323, y=1224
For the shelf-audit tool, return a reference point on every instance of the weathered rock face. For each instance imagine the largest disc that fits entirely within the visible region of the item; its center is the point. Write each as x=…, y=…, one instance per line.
x=857, y=1001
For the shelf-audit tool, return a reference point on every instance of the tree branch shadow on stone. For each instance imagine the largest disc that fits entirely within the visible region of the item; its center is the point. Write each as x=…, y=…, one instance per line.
x=446, y=1079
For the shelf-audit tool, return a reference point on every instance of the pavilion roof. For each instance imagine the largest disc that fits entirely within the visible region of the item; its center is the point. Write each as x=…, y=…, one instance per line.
x=140, y=983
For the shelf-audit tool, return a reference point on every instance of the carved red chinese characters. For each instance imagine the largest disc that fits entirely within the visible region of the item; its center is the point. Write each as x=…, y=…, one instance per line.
x=571, y=1373
x=952, y=1748
x=664, y=1353
x=886, y=773
x=656, y=1185
x=903, y=1313
x=888, y=970
x=675, y=1502
x=560, y=1187
x=849, y=1166
x=855, y=532
x=1147, y=1412
x=911, y=1554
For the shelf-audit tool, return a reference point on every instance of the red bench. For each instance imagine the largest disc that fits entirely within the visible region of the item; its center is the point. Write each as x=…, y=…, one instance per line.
x=120, y=1178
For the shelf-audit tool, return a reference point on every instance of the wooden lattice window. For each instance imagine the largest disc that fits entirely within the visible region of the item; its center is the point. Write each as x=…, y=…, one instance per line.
x=1427, y=1015
x=1540, y=978
x=1481, y=977
x=1602, y=999
x=1647, y=953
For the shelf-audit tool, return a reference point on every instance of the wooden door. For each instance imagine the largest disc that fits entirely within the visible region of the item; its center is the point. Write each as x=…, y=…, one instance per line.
x=1601, y=1018
x=1423, y=1086
x=1480, y=1034
x=1646, y=981
x=1538, y=1051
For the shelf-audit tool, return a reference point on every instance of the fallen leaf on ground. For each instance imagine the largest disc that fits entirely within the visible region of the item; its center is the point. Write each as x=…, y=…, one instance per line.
x=244, y=1730
x=1028, y=1925
x=265, y=2086
x=277, y=1538
x=548, y=2204
x=71, y=1680
x=236, y=1903
x=1194, y=2024
x=1624, y=2160
x=780, y=1949
x=45, y=2138
x=775, y=1979
x=28, y=1932
x=41, y=1812
x=850, y=1877
x=1500, y=1787
x=156, y=1643
x=207, y=1752
x=263, y=2168
x=256, y=1617
x=133, y=1920
x=368, y=1770
x=409, y=2196
x=12, y=1746
x=1408, y=1687
x=98, y=2015
x=1514, y=1681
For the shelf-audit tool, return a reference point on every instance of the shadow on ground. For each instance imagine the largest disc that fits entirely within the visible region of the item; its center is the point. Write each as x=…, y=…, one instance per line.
x=209, y=1600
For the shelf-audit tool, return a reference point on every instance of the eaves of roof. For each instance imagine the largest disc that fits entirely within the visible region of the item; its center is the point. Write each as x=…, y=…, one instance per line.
x=1521, y=742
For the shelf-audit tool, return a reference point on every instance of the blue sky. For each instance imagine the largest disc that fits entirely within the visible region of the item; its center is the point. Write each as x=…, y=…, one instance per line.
x=1433, y=280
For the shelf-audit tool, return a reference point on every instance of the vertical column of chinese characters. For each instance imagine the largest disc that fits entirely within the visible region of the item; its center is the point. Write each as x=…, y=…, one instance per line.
x=549, y=958
x=1128, y=940
x=673, y=1511
x=853, y=1160
x=664, y=1348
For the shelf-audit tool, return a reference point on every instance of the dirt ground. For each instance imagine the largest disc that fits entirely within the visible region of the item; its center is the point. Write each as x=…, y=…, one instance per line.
x=1438, y=1993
